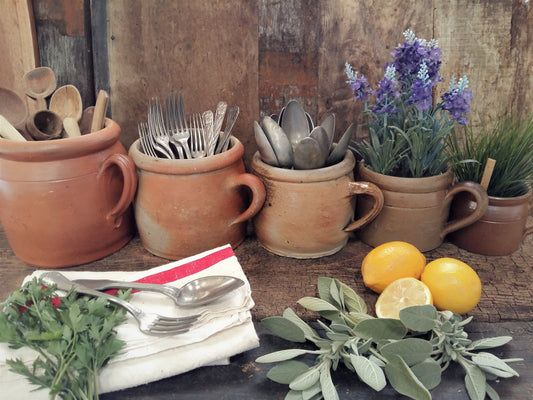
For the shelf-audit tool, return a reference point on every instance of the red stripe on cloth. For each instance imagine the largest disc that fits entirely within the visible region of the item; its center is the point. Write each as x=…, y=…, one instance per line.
x=190, y=268
x=184, y=270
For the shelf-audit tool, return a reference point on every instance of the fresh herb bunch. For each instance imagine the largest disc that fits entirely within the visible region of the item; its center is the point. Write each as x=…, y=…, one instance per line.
x=74, y=336
x=407, y=134
x=509, y=141
x=410, y=353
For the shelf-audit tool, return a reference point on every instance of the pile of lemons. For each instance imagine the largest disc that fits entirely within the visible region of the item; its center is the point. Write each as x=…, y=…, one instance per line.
x=398, y=271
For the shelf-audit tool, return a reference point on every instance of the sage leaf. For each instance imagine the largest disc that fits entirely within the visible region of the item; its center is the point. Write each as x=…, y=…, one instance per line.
x=326, y=384
x=428, y=372
x=294, y=395
x=404, y=381
x=306, y=379
x=352, y=301
x=489, y=343
x=369, y=372
x=314, y=304
x=411, y=350
x=284, y=328
x=314, y=392
x=475, y=380
x=490, y=363
x=335, y=294
x=324, y=291
x=493, y=395
x=307, y=330
x=419, y=318
x=286, y=371
x=381, y=328
x=281, y=355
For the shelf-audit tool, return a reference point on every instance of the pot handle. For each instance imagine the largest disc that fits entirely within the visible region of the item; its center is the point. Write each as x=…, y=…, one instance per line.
x=258, y=195
x=529, y=230
x=370, y=189
x=129, y=174
x=482, y=201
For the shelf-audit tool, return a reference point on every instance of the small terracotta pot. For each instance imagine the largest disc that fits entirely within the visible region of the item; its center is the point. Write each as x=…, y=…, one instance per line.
x=184, y=207
x=310, y=213
x=500, y=231
x=416, y=210
x=67, y=201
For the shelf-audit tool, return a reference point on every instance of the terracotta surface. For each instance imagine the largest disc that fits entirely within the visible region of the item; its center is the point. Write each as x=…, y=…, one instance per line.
x=310, y=213
x=416, y=210
x=184, y=207
x=502, y=228
x=67, y=201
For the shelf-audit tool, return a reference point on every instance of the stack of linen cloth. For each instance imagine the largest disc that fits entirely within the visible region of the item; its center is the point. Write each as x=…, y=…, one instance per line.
x=228, y=331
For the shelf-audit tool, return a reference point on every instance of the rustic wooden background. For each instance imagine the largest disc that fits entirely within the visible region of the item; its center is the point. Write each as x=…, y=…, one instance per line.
x=259, y=54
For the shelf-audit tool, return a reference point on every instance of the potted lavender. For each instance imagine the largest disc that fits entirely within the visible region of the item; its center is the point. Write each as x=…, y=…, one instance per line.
x=405, y=153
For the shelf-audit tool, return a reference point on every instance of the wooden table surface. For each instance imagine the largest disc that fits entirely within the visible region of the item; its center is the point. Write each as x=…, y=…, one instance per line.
x=278, y=282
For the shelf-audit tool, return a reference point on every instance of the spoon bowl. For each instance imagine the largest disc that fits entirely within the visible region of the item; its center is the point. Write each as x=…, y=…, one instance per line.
x=197, y=292
x=39, y=83
x=13, y=108
x=66, y=102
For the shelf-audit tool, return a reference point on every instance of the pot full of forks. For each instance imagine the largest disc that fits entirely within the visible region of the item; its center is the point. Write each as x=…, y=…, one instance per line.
x=193, y=192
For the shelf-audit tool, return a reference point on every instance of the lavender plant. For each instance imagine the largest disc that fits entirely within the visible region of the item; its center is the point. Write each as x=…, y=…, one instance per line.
x=407, y=132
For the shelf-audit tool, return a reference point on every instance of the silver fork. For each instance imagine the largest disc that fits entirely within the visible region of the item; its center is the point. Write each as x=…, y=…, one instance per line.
x=146, y=140
x=172, y=122
x=180, y=131
x=198, y=142
x=149, y=323
x=156, y=127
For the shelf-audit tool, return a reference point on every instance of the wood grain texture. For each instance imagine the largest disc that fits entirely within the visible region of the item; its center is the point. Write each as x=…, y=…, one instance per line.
x=207, y=50
x=18, y=45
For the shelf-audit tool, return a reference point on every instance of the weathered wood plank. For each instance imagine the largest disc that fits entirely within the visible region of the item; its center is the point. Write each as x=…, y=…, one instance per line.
x=208, y=50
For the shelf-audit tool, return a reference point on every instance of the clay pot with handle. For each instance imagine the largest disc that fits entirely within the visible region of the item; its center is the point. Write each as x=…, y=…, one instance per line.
x=187, y=206
x=310, y=213
x=68, y=201
x=416, y=210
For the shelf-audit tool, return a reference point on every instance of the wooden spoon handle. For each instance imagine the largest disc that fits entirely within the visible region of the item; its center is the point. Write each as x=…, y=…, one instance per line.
x=8, y=131
x=100, y=110
x=72, y=129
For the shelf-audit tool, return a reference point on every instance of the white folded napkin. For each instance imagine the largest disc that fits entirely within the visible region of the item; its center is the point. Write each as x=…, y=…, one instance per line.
x=228, y=331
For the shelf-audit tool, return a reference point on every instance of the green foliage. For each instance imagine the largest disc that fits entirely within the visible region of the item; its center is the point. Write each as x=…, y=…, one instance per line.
x=509, y=141
x=410, y=353
x=73, y=335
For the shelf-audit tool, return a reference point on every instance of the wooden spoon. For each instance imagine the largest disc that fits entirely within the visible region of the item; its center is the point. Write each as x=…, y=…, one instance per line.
x=66, y=102
x=39, y=83
x=100, y=110
x=13, y=108
x=8, y=131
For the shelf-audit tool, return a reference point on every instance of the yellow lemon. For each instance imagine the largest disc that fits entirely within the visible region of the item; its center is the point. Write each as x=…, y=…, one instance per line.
x=455, y=286
x=390, y=261
x=401, y=293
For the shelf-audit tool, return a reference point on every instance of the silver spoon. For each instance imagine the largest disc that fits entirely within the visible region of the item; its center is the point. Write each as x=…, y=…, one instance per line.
x=265, y=149
x=308, y=154
x=295, y=123
x=195, y=293
x=338, y=153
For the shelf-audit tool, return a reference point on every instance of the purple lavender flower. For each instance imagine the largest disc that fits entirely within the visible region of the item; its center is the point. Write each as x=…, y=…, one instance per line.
x=386, y=93
x=421, y=94
x=359, y=85
x=457, y=100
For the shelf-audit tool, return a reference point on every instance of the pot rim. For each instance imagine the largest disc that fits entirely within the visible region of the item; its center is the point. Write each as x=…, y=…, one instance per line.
x=518, y=199
x=186, y=166
x=48, y=150
x=305, y=175
x=404, y=184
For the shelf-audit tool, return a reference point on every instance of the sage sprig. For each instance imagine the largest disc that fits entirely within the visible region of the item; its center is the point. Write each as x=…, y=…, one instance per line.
x=410, y=353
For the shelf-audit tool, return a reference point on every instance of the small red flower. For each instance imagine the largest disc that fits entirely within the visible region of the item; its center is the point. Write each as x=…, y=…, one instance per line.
x=56, y=302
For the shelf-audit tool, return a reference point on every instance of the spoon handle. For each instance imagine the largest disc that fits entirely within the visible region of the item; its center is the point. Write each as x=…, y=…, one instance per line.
x=8, y=131
x=104, y=284
x=100, y=110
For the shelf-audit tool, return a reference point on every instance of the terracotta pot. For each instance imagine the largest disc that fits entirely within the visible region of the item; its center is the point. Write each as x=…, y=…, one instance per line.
x=67, y=201
x=184, y=207
x=416, y=209
x=502, y=228
x=309, y=213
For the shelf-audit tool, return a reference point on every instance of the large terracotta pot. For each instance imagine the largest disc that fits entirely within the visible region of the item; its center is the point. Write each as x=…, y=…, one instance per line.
x=67, y=201
x=502, y=228
x=184, y=206
x=416, y=209
x=310, y=213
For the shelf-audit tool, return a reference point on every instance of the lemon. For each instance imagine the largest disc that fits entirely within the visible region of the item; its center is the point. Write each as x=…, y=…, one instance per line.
x=390, y=261
x=401, y=293
x=455, y=286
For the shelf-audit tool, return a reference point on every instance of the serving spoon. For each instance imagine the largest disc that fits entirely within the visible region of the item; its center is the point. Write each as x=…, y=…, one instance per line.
x=39, y=83
x=195, y=293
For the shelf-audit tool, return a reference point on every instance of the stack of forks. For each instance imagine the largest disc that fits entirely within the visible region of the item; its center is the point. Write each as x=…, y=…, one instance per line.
x=170, y=135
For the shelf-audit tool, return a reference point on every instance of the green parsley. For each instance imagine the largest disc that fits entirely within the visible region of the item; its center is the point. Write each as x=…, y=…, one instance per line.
x=74, y=336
